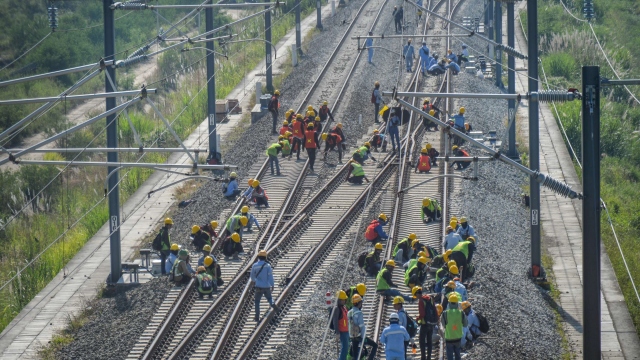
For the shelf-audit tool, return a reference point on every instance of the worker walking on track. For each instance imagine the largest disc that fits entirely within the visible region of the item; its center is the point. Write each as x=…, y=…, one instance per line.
x=427, y=319
x=273, y=107
x=355, y=173
x=262, y=278
x=376, y=99
x=324, y=112
x=298, y=134
x=340, y=324
x=163, y=243
x=368, y=44
x=393, y=338
x=454, y=321
x=358, y=333
x=375, y=233
x=393, y=129
x=311, y=143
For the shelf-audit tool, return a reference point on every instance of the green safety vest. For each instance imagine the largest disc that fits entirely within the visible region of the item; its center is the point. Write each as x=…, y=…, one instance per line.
x=440, y=273
x=453, y=330
x=286, y=147
x=382, y=283
x=357, y=169
x=363, y=151
x=350, y=293
x=165, y=245
x=201, y=277
x=463, y=247
x=176, y=268
x=405, y=241
x=211, y=271
x=412, y=262
x=237, y=222
x=408, y=272
x=273, y=149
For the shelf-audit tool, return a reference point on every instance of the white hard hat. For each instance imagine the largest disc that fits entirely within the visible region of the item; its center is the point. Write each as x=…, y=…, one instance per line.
x=393, y=317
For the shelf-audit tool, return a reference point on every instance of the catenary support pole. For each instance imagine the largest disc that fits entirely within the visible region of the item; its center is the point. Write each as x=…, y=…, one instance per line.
x=489, y=32
x=112, y=142
x=591, y=212
x=534, y=132
x=298, y=34
x=211, y=87
x=513, y=152
x=319, y=14
x=267, y=37
x=497, y=5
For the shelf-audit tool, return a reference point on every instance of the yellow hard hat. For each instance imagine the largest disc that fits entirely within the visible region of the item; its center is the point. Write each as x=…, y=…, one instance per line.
x=453, y=298
x=448, y=252
x=208, y=261
x=214, y=224
x=281, y=137
x=195, y=229
x=235, y=237
x=310, y=126
x=453, y=224
x=390, y=263
x=398, y=300
x=465, y=305
x=175, y=247
x=244, y=221
x=367, y=144
x=415, y=289
x=277, y=92
x=424, y=151
x=472, y=239
x=299, y=116
x=426, y=202
x=317, y=118
x=423, y=260
x=287, y=133
x=285, y=123
x=355, y=299
x=262, y=253
x=423, y=254
x=361, y=288
x=377, y=83
x=462, y=110
x=324, y=136
x=201, y=269
x=325, y=103
x=412, y=236
x=414, y=242
x=376, y=131
x=454, y=270
x=341, y=295
x=432, y=112
x=382, y=216
x=250, y=182
x=451, y=263
x=439, y=309
x=451, y=284
x=426, y=101
x=454, y=148
x=378, y=246
x=245, y=209
x=168, y=221
x=233, y=175
x=453, y=218
x=463, y=219
x=255, y=183
x=309, y=108
x=291, y=111
x=428, y=146
x=339, y=125
x=206, y=248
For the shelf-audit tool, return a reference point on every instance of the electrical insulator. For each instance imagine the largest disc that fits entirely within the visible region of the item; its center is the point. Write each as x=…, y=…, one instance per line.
x=588, y=10
x=132, y=5
x=53, y=17
x=511, y=51
x=554, y=96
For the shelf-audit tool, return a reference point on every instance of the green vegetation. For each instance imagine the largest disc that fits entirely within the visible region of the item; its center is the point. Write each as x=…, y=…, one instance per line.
x=564, y=50
x=74, y=201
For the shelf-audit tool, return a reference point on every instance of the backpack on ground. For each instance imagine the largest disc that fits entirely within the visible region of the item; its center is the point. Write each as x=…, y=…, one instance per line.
x=207, y=283
x=484, y=323
x=157, y=242
x=362, y=258
x=373, y=97
x=370, y=234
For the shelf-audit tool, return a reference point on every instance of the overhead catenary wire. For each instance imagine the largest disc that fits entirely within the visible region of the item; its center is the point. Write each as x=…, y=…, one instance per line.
x=26, y=52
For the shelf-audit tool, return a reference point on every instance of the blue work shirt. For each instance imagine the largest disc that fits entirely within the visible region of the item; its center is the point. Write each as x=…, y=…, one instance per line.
x=231, y=187
x=454, y=66
x=264, y=278
x=356, y=323
x=458, y=121
x=424, y=54
x=380, y=230
x=432, y=61
x=453, y=57
x=393, y=338
x=168, y=265
x=468, y=231
x=252, y=219
x=451, y=240
x=403, y=318
x=368, y=43
x=408, y=51
x=474, y=323
x=462, y=290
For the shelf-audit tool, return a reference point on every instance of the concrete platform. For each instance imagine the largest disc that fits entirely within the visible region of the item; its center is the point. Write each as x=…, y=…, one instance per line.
x=88, y=270
x=561, y=221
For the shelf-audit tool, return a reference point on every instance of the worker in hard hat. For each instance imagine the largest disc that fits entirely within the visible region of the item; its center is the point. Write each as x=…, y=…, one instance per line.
x=455, y=68
x=363, y=153
x=385, y=283
x=432, y=110
x=376, y=99
x=230, y=188
x=393, y=338
x=459, y=120
x=451, y=239
x=210, y=228
x=324, y=112
x=448, y=289
x=205, y=283
x=465, y=230
x=439, y=260
x=393, y=129
x=372, y=262
x=424, y=162
x=408, y=52
x=375, y=232
x=259, y=195
x=199, y=238
x=427, y=319
x=378, y=140
x=414, y=260
x=463, y=252
x=430, y=210
x=398, y=306
x=340, y=323
x=402, y=251
x=416, y=274
x=311, y=113
x=454, y=321
x=247, y=193
x=232, y=247
x=235, y=223
x=472, y=330
x=360, y=289
x=311, y=144
x=272, y=152
x=358, y=333
x=464, y=55
x=162, y=243
x=355, y=174
x=273, y=107
x=433, y=154
x=424, y=58
x=285, y=127
x=212, y=267
x=461, y=289
x=298, y=135
x=250, y=218
x=444, y=275
x=171, y=259
x=180, y=271
x=332, y=141
x=283, y=140
x=368, y=44
x=460, y=152
x=206, y=251
x=262, y=277
x=338, y=131
x=317, y=125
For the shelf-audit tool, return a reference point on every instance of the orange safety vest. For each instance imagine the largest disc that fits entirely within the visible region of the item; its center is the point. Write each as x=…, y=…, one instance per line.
x=324, y=110
x=342, y=323
x=297, y=129
x=284, y=129
x=311, y=140
x=424, y=163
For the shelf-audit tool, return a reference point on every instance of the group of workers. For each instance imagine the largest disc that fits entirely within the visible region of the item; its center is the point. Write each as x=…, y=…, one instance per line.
x=444, y=310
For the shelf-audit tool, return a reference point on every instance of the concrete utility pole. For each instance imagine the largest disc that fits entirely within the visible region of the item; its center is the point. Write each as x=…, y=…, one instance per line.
x=511, y=42
x=214, y=156
x=298, y=34
x=112, y=142
x=534, y=132
x=490, y=28
x=267, y=37
x=498, y=39
x=591, y=212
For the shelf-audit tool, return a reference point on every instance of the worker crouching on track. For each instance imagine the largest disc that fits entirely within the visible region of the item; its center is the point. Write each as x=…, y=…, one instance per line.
x=363, y=153
x=230, y=188
x=357, y=332
x=372, y=262
x=259, y=196
x=262, y=277
x=213, y=268
x=181, y=272
x=206, y=284
x=311, y=144
x=385, y=283
x=235, y=224
x=250, y=219
x=465, y=230
x=232, y=247
x=424, y=162
x=324, y=111
x=431, y=210
x=284, y=141
x=416, y=274
x=332, y=141
x=459, y=152
x=378, y=140
x=427, y=319
x=199, y=238
x=355, y=174
x=210, y=228
x=403, y=250
x=375, y=233
x=393, y=338
x=433, y=154
x=454, y=321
